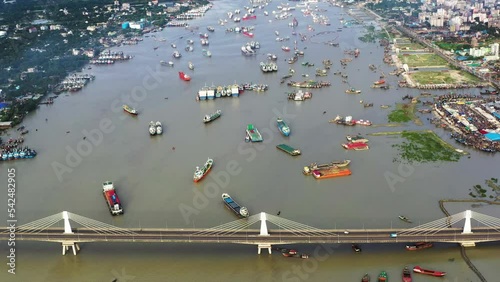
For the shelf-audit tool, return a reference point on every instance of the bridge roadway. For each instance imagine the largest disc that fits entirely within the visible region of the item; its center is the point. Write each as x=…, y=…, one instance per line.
x=251, y=236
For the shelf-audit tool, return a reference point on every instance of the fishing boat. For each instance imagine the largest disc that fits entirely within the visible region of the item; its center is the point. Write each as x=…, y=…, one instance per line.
x=207, y=53
x=406, y=275
x=152, y=128
x=356, y=248
x=418, y=269
x=283, y=127
x=114, y=204
x=366, y=278
x=356, y=139
x=290, y=150
x=201, y=172
x=211, y=117
x=184, y=76
x=335, y=172
x=253, y=134
x=419, y=246
x=379, y=82
x=382, y=277
x=359, y=146
x=235, y=207
x=190, y=66
x=159, y=128
x=405, y=219
x=130, y=110
x=335, y=164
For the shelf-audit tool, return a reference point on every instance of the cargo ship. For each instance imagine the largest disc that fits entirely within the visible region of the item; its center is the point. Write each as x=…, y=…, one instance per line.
x=235, y=207
x=335, y=172
x=211, y=117
x=335, y=164
x=114, y=204
x=382, y=277
x=418, y=269
x=283, y=127
x=356, y=139
x=130, y=110
x=359, y=146
x=184, y=76
x=406, y=275
x=201, y=172
x=287, y=149
x=253, y=134
x=419, y=246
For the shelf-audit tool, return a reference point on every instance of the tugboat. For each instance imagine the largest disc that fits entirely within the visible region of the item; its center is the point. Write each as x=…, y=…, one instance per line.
x=419, y=246
x=201, y=172
x=253, y=134
x=235, y=207
x=406, y=275
x=152, y=128
x=382, y=277
x=184, y=76
x=366, y=278
x=283, y=127
x=405, y=219
x=159, y=128
x=130, y=110
x=114, y=205
x=211, y=117
x=418, y=269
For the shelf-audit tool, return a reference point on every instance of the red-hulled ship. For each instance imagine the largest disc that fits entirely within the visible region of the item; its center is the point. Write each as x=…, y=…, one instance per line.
x=184, y=76
x=114, y=204
x=249, y=17
x=406, y=275
x=379, y=82
x=248, y=34
x=358, y=146
x=418, y=246
x=418, y=269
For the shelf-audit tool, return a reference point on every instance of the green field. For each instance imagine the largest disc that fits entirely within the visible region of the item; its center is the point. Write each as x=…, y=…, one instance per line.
x=403, y=113
x=410, y=46
x=438, y=77
x=422, y=60
x=452, y=46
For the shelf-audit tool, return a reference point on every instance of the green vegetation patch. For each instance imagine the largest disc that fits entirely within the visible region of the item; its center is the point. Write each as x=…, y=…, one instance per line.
x=422, y=60
x=452, y=46
x=432, y=77
x=480, y=192
x=425, y=146
x=402, y=113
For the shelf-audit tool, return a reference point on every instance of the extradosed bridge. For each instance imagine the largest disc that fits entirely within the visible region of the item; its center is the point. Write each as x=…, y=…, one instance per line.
x=238, y=232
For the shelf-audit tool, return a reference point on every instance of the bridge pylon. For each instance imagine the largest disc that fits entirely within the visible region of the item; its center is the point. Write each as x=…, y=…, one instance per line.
x=467, y=224
x=263, y=232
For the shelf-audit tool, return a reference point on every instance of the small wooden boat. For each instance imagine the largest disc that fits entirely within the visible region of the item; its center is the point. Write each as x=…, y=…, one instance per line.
x=184, y=76
x=405, y=219
x=335, y=164
x=418, y=269
x=382, y=277
x=419, y=246
x=356, y=248
x=366, y=278
x=406, y=275
x=356, y=139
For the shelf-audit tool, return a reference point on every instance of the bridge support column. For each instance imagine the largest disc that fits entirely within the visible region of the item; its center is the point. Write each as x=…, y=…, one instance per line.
x=264, y=246
x=467, y=225
x=67, y=245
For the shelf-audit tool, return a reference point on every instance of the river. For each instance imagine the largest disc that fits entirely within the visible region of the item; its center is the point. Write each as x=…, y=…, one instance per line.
x=153, y=175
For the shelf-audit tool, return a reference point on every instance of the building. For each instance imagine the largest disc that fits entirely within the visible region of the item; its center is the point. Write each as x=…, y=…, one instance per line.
x=5, y=124
x=139, y=25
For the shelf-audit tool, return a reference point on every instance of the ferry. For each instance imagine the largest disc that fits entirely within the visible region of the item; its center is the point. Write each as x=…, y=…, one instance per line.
x=201, y=172
x=419, y=246
x=130, y=110
x=366, y=278
x=114, y=204
x=283, y=127
x=335, y=164
x=418, y=269
x=356, y=139
x=184, y=76
x=382, y=277
x=211, y=93
x=290, y=150
x=406, y=275
x=235, y=90
x=253, y=134
x=211, y=117
x=359, y=146
x=323, y=174
x=235, y=207
x=202, y=94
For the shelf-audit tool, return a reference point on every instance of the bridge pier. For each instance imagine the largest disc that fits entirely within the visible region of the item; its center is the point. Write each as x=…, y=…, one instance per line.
x=67, y=245
x=263, y=246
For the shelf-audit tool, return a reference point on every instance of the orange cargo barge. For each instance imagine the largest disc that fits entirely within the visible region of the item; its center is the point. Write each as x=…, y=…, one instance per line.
x=322, y=174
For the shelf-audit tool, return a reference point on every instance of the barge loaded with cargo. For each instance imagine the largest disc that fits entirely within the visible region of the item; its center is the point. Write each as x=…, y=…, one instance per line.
x=287, y=149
